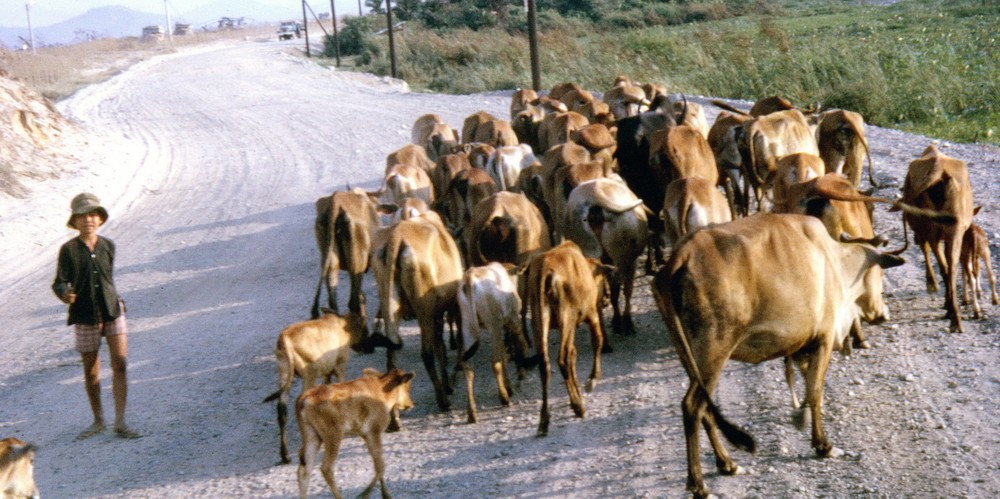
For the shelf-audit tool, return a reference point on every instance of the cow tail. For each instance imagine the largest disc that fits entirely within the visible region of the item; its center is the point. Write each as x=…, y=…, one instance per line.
x=286, y=375
x=906, y=241
x=736, y=435
x=868, y=154
x=753, y=157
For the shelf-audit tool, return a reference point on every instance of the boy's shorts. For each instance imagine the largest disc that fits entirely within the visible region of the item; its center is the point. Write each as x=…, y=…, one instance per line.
x=88, y=336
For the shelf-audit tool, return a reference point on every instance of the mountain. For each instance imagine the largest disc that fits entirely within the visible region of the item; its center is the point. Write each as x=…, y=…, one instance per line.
x=102, y=22
x=119, y=22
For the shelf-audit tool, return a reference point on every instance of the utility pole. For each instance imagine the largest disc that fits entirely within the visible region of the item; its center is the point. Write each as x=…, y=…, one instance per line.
x=31, y=33
x=336, y=40
x=305, y=28
x=392, y=41
x=170, y=29
x=359, y=8
x=536, y=74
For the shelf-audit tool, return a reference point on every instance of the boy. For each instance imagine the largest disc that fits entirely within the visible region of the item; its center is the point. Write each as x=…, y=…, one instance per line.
x=84, y=280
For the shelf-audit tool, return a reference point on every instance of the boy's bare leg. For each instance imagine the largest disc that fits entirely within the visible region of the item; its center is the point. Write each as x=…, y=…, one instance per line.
x=118, y=348
x=92, y=384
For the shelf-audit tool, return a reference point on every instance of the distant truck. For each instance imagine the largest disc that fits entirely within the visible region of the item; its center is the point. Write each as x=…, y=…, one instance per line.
x=288, y=29
x=153, y=32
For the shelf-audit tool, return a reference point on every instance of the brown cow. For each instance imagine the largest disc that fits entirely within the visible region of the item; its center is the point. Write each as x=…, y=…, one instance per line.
x=847, y=216
x=489, y=301
x=422, y=128
x=497, y=133
x=506, y=164
x=843, y=146
x=608, y=221
x=470, y=127
x=939, y=182
x=402, y=181
x=467, y=189
x=695, y=116
x=362, y=407
x=690, y=204
x=793, y=169
x=767, y=138
x=976, y=247
x=410, y=154
x=520, y=99
x=565, y=289
x=599, y=142
x=506, y=227
x=417, y=268
x=758, y=288
x=724, y=141
x=556, y=128
x=626, y=99
x=446, y=169
x=17, y=469
x=682, y=152
x=345, y=222
x=313, y=349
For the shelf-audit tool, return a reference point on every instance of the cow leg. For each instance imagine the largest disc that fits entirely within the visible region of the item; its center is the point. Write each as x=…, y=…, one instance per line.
x=628, y=276
x=499, y=363
x=858, y=338
x=470, y=377
x=616, y=313
x=331, y=448
x=929, y=276
x=596, y=341
x=282, y=409
x=991, y=277
x=567, y=365
x=431, y=347
x=541, y=328
x=970, y=278
x=815, y=375
x=373, y=440
x=952, y=247
x=307, y=457
x=693, y=410
x=790, y=381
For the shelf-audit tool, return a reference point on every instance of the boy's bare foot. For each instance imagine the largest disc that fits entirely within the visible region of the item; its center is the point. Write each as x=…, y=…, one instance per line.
x=126, y=432
x=92, y=430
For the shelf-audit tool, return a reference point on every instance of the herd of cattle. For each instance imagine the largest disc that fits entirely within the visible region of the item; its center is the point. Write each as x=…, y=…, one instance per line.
x=772, y=255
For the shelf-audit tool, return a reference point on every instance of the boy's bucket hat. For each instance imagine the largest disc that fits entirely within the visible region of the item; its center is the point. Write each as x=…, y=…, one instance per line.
x=86, y=203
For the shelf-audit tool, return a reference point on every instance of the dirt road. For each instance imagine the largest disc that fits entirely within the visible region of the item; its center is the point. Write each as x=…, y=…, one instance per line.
x=210, y=162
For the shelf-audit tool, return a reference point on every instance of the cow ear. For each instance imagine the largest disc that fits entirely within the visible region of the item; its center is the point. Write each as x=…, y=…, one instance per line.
x=975, y=211
x=888, y=261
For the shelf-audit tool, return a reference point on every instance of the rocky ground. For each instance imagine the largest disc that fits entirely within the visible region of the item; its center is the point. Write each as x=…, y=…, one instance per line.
x=210, y=160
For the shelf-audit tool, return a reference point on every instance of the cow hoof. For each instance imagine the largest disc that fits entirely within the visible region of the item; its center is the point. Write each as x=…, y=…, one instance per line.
x=393, y=427
x=834, y=452
x=607, y=348
x=861, y=344
x=591, y=385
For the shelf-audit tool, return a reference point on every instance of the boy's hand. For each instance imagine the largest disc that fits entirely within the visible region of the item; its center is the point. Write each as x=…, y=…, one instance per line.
x=69, y=297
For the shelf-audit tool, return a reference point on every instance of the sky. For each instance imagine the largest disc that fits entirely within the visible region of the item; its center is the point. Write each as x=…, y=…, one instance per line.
x=47, y=12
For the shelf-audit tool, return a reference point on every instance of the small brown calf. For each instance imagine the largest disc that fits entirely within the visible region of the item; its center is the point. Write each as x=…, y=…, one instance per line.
x=976, y=247
x=17, y=466
x=313, y=349
x=362, y=407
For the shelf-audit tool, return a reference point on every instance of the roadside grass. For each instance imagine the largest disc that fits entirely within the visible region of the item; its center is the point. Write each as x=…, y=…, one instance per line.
x=931, y=67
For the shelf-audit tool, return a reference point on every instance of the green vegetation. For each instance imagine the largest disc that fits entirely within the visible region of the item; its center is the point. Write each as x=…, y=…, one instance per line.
x=931, y=67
